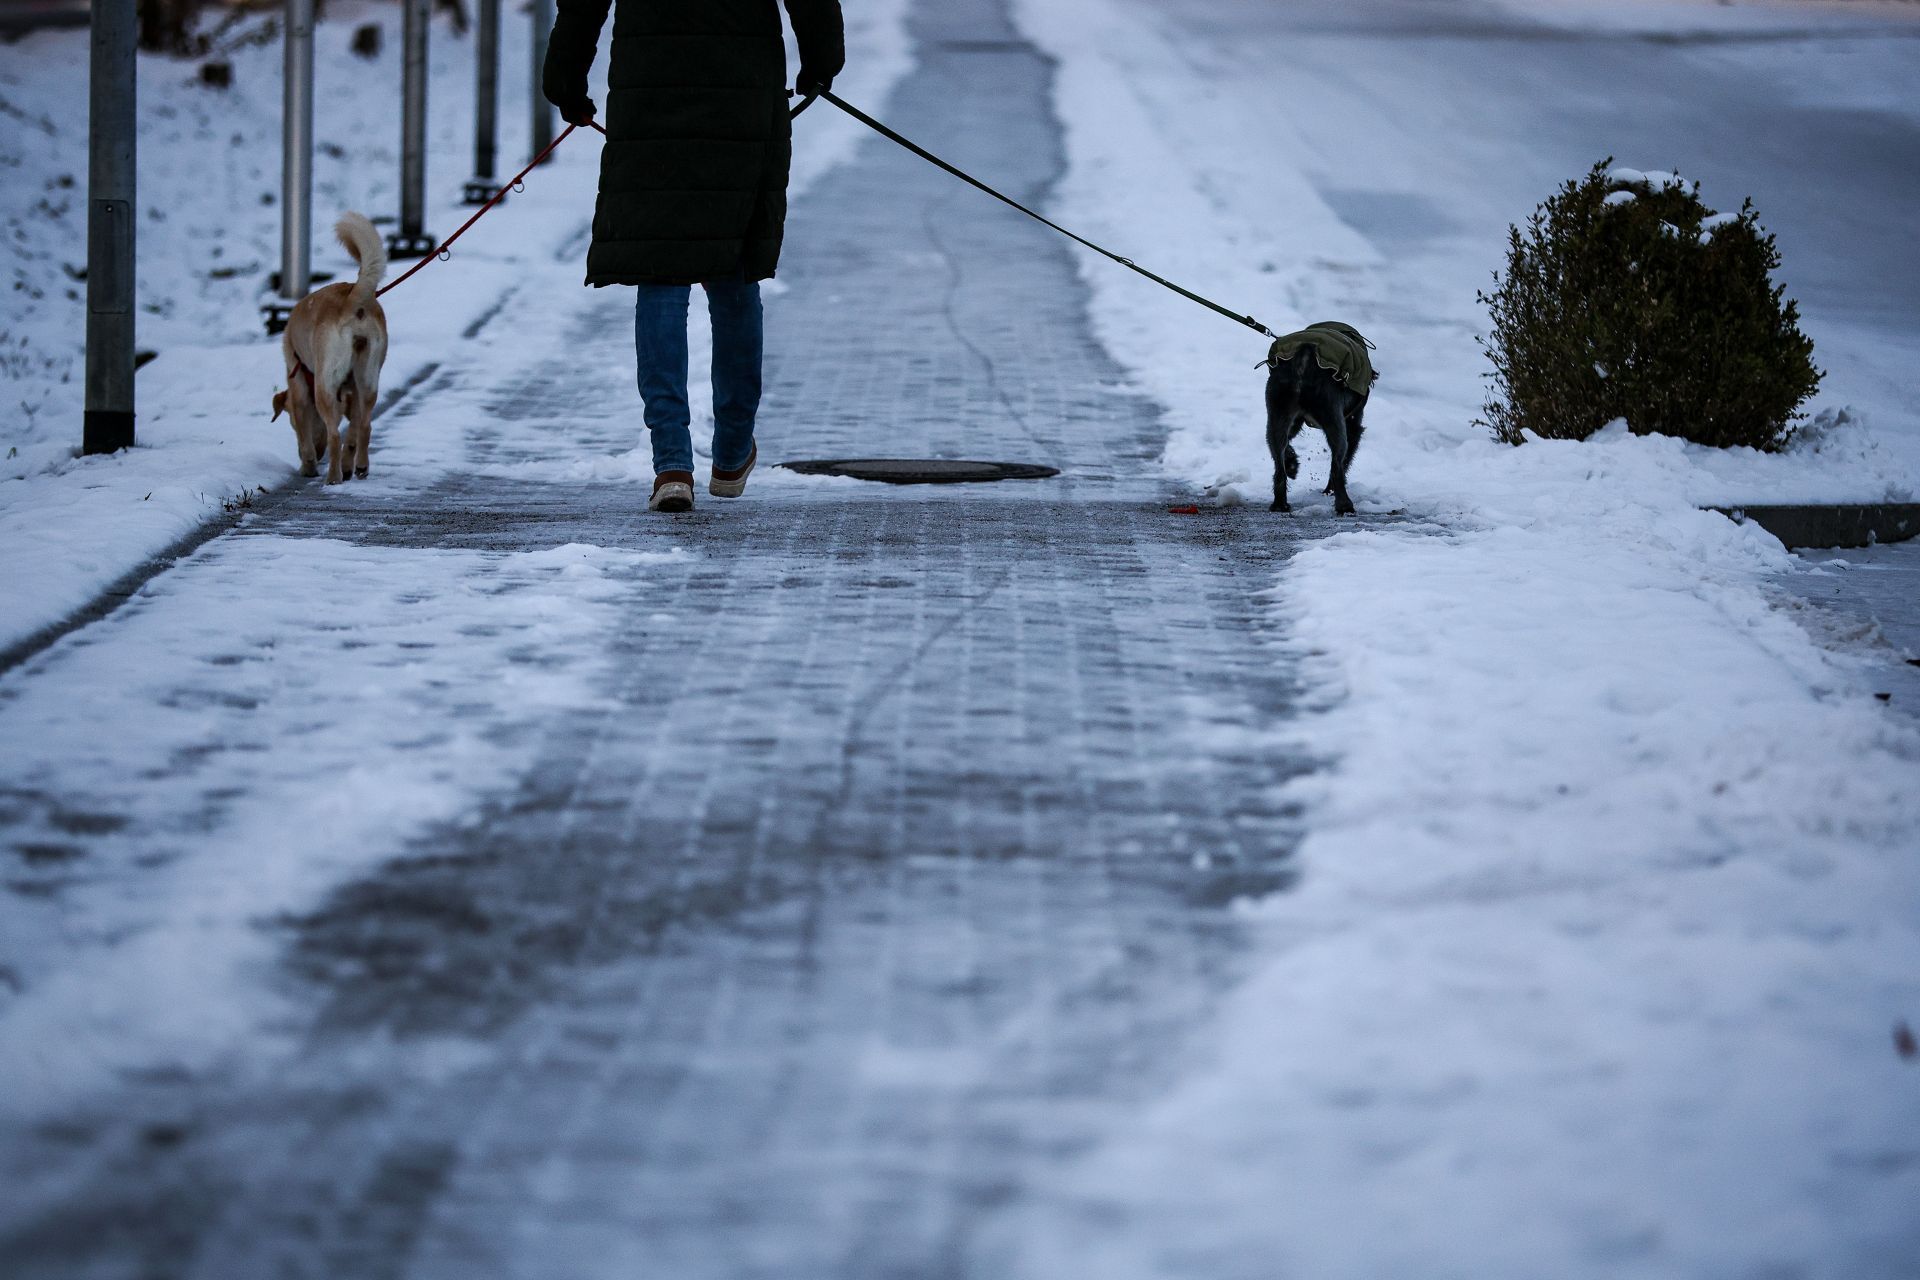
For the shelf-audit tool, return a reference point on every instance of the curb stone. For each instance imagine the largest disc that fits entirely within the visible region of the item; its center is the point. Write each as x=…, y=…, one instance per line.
x=1837, y=525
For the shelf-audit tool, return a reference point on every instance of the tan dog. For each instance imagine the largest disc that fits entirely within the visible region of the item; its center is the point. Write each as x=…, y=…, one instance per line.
x=335, y=343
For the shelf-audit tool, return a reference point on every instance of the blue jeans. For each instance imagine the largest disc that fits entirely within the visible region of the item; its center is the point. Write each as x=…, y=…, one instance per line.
x=660, y=345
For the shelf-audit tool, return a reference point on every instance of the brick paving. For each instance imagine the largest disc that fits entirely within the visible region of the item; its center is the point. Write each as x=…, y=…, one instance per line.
x=891, y=871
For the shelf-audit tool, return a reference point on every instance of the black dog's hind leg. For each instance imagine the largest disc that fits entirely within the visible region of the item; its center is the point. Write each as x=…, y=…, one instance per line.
x=1337, y=445
x=1282, y=420
x=1355, y=429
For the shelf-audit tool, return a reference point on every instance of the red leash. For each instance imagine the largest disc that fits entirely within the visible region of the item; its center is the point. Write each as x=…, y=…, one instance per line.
x=513, y=184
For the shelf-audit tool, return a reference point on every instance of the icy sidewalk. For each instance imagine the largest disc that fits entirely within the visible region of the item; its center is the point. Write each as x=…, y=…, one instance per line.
x=465, y=872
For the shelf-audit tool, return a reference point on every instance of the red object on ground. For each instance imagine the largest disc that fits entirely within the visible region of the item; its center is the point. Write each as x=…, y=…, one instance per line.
x=1183, y=511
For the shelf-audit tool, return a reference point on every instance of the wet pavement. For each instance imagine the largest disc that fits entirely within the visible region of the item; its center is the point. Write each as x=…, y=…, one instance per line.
x=891, y=867
x=1873, y=593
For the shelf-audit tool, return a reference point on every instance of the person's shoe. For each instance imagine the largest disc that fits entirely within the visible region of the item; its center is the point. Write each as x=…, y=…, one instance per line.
x=672, y=491
x=731, y=484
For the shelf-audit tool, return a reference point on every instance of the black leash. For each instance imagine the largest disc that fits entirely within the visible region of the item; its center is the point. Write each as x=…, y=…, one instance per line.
x=968, y=178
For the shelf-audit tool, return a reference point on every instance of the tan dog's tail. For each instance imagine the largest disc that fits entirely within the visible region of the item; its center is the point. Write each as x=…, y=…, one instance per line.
x=279, y=405
x=363, y=242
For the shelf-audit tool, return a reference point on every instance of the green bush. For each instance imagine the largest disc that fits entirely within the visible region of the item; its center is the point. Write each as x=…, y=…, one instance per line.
x=1626, y=297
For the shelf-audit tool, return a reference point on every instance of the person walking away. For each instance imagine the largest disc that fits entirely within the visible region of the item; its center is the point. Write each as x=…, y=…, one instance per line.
x=693, y=190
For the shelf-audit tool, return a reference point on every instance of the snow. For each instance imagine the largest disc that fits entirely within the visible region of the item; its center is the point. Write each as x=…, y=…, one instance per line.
x=1712, y=223
x=1609, y=902
x=1655, y=181
x=208, y=238
x=406, y=687
x=415, y=683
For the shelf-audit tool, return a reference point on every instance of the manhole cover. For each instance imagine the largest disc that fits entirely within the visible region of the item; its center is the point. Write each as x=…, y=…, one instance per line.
x=922, y=470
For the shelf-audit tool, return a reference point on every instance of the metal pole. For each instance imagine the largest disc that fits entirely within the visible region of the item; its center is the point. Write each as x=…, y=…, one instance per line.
x=486, y=103
x=411, y=240
x=296, y=166
x=108, y=421
x=542, y=109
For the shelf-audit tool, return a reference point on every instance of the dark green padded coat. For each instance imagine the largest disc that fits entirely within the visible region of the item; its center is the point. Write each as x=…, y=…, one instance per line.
x=693, y=174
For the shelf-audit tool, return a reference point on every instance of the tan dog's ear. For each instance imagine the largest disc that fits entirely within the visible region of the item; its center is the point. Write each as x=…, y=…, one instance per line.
x=279, y=405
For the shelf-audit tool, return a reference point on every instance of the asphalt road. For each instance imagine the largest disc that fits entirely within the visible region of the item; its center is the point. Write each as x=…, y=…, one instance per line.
x=1501, y=104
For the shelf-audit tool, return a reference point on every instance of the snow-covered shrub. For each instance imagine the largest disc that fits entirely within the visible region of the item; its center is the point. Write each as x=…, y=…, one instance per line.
x=1626, y=297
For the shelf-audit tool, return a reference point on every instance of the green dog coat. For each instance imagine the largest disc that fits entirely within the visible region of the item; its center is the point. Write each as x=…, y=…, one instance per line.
x=1338, y=348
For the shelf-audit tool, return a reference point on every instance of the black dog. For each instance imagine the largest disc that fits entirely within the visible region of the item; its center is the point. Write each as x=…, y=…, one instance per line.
x=1320, y=375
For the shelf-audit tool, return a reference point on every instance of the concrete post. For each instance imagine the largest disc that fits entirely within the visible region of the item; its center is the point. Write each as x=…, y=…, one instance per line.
x=108, y=420
x=486, y=103
x=542, y=109
x=412, y=240
x=296, y=166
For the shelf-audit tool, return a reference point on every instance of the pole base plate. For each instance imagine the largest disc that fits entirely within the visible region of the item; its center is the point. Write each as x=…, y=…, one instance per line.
x=479, y=191
x=275, y=313
x=106, y=430
x=402, y=245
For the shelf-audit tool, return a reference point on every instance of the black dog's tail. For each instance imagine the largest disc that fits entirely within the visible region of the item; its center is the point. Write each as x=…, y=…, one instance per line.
x=1296, y=383
x=1287, y=383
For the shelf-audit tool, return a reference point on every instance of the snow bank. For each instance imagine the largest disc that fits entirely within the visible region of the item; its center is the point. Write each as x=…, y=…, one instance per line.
x=1609, y=901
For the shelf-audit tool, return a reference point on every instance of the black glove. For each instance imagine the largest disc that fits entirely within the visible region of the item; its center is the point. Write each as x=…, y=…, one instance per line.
x=576, y=110
x=819, y=35
x=562, y=84
x=811, y=81
x=569, y=96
